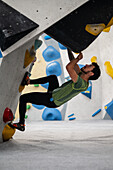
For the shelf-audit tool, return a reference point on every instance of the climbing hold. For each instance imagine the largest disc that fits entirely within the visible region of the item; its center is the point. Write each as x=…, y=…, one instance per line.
x=46, y=85
x=81, y=65
x=37, y=44
x=47, y=37
x=98, y=111
x=1, y=54
x=94, y=29
x=105, y=107
x=8, y=115
x=71, y=115
x=7, y=133
x=109, y=69
x=72, y=118
x=88, y=92
x=94, y=59
x=40, y=107
x=26, y=116
x=109, y=109
x=51, y=99
x=110, y=23
x=62, y=47
x=28, y=107
x=29, y=56
x=23, y=83
x=50, y=54
x=51, y=114
x=68, y=78
x=53, y=68
x=36, y=85
x=107, y=29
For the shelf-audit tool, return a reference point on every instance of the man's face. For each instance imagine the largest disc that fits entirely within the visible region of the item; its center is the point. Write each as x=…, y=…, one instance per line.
x=88, y=68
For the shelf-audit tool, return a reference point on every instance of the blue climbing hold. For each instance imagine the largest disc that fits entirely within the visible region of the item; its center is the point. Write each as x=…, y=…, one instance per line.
x=71, y=115
x=88, y=92
x=98, y=111
x=81, y=65
x=62, y=47
x=46, y=85
x=72, y=118
x=1, y=55
x=53, y=68
x=51, y=99
x=40, y=107
x=50, y=54
x=47, y=37
x=109, y=109
x=51, y=114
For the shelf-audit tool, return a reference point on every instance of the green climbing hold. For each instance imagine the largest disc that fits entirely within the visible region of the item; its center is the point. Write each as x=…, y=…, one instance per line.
x=26, y=116
x=36, y=85
x=28, y=107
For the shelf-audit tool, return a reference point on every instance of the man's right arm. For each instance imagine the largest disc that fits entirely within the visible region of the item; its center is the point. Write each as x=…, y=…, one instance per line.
x=71, y=57
x=71, y=67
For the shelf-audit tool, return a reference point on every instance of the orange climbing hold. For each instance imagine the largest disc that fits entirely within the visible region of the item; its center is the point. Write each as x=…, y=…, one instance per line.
x=24, y=81
x=7, y=133
x=29, y=56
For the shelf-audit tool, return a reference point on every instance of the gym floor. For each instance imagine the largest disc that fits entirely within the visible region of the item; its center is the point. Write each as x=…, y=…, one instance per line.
x=62, y=145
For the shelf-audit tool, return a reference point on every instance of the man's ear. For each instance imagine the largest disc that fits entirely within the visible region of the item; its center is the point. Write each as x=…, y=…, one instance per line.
x=90, y=74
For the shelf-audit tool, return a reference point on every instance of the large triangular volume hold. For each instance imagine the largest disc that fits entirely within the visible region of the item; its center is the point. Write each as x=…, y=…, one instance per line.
x=88, y=92
x=109, y=109
x=13, y=26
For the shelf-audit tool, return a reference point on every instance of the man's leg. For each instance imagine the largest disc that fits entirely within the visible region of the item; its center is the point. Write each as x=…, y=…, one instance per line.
x=35, y=98
x=52, y=80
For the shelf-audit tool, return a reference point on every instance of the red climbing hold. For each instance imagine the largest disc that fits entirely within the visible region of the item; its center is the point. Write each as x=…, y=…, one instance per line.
x=8, y=115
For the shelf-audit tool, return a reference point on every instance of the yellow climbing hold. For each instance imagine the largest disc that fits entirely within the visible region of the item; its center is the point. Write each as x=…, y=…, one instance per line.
x=29, y=56
x=94, y=29
x=110, y=23
x=94, y=59
x=105, y=107
x=87, y=91
x=109, y=69
x=7, y=133
x=107, y=29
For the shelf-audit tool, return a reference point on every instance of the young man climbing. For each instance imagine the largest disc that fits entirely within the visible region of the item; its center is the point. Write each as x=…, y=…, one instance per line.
x=56, y=96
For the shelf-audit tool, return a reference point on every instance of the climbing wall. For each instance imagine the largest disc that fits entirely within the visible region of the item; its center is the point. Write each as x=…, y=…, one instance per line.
x=48, y=62
x=96, y=102
x=20, y=27
x=106, y=51
x=18, y=43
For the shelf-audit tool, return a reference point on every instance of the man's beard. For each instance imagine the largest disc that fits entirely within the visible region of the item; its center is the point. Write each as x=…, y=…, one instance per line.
x=83, y=71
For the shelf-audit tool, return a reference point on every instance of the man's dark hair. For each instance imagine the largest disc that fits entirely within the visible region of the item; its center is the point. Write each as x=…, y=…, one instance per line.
x=96, y=72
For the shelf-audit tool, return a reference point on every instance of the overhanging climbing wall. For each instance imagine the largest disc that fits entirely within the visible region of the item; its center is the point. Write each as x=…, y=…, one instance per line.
x=44, y=13
x=12, y=70
x=17, y=42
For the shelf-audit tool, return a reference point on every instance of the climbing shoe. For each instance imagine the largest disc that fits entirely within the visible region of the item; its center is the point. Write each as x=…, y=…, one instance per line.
x=17, y=126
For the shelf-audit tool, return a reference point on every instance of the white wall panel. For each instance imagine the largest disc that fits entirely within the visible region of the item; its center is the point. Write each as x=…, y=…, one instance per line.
x=11, y=75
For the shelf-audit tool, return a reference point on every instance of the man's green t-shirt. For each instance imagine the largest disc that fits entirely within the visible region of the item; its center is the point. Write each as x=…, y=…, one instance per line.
x=68, y=90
